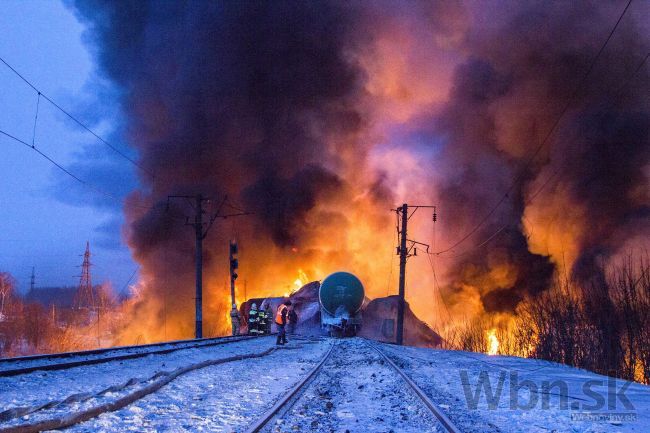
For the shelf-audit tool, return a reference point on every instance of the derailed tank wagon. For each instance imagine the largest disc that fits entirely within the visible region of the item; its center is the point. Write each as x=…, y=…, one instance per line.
x=341, y=296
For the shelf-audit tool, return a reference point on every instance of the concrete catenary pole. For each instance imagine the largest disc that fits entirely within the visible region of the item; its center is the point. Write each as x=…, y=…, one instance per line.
x=201, y=230
x=198, y=228
x=403, y=251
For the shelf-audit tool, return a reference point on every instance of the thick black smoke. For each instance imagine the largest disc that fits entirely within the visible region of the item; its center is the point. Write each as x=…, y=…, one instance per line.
x=522, y=70
x=233, y=96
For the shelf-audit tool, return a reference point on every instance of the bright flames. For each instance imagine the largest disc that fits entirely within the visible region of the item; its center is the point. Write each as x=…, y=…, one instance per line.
x=492, y=342
x=298, y=283
x=301, y=280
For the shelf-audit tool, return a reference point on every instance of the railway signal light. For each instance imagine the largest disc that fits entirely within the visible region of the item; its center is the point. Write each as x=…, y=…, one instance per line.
x=234, y=263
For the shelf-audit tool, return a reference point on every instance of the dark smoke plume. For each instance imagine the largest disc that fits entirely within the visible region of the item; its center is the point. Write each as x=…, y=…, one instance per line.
x=232, y=95
x=227, y=98
x=281, y=106
x=522, y=70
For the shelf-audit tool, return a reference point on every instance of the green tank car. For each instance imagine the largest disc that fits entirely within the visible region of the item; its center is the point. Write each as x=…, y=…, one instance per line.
x=341, y=297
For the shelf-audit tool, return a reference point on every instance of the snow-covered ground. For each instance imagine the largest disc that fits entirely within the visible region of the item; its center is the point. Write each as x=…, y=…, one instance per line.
x=41, y=387
x=441, y=375
x=355, y=391
x=221, y=398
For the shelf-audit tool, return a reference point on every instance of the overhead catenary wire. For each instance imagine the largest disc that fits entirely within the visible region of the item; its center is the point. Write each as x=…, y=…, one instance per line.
x=160, y=208
x=436, y=285
x=73, y=118
x=544, y=142
x=78, y=179
x=130, y=278
x=392, y=259
x=38, y=103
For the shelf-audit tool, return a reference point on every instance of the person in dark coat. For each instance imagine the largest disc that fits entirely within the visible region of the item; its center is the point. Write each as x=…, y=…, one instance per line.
x=293, y=321
x=269, y=316
x=281, y=320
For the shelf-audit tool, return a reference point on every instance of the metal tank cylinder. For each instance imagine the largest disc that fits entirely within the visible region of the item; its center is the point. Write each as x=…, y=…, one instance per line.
x=341, y=291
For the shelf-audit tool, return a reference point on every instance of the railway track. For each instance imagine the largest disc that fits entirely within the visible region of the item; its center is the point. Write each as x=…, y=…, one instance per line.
x=263, y=421
x=53, y=415
x=266, y=422
x=435, y=410
x=62, y=361
x=328, y=396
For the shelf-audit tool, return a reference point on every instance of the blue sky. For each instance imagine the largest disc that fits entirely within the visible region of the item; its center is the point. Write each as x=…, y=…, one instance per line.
x=45, y=216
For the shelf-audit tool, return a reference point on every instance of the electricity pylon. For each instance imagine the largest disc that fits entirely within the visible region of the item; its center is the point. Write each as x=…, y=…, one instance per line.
x=85, y=297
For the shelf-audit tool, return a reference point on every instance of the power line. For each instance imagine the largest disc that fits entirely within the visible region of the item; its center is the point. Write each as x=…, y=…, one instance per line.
x=56, y=164
x=392, y=258
x=77, y=121
x=436, y=286
x=78, y=179
x=130, y=278
x=546, y=138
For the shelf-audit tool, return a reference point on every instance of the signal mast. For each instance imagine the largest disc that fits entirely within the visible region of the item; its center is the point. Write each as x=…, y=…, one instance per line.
x=234, y=265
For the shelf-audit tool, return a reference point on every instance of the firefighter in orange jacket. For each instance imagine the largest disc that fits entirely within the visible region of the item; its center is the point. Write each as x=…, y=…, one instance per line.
x=281, y=321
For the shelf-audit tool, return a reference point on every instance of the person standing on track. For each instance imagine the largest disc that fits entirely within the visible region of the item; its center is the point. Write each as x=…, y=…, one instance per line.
x=235, y=319
x=293, y=321
x=269, y=316
x=253, y=320
x=281, y=321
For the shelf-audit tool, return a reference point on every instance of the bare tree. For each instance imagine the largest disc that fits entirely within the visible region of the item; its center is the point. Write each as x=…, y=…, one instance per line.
x=7, y=285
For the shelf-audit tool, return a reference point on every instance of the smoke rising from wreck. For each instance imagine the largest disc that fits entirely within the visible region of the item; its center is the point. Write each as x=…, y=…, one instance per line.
x=321, y=116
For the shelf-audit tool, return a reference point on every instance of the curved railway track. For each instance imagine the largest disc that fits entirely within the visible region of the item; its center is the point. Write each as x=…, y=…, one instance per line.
x=57, y=361
x=150, y=385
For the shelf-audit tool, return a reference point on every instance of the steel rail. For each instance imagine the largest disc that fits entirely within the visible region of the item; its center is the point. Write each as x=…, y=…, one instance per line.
x=112, y=406
x=181, y=345
x=102, y=350
x=437, y=412
x=263, y=421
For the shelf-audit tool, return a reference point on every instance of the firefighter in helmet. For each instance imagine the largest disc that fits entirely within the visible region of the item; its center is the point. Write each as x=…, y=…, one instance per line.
x=263, y=318
x=253, y=320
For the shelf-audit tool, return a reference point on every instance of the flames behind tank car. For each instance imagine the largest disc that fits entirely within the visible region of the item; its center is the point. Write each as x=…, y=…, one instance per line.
x=341, y=296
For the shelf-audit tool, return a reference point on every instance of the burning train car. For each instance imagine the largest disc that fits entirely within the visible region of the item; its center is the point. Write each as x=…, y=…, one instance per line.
x=341, y=296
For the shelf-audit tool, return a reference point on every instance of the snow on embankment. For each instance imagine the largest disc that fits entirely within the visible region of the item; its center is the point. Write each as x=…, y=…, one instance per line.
x=482, y=393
